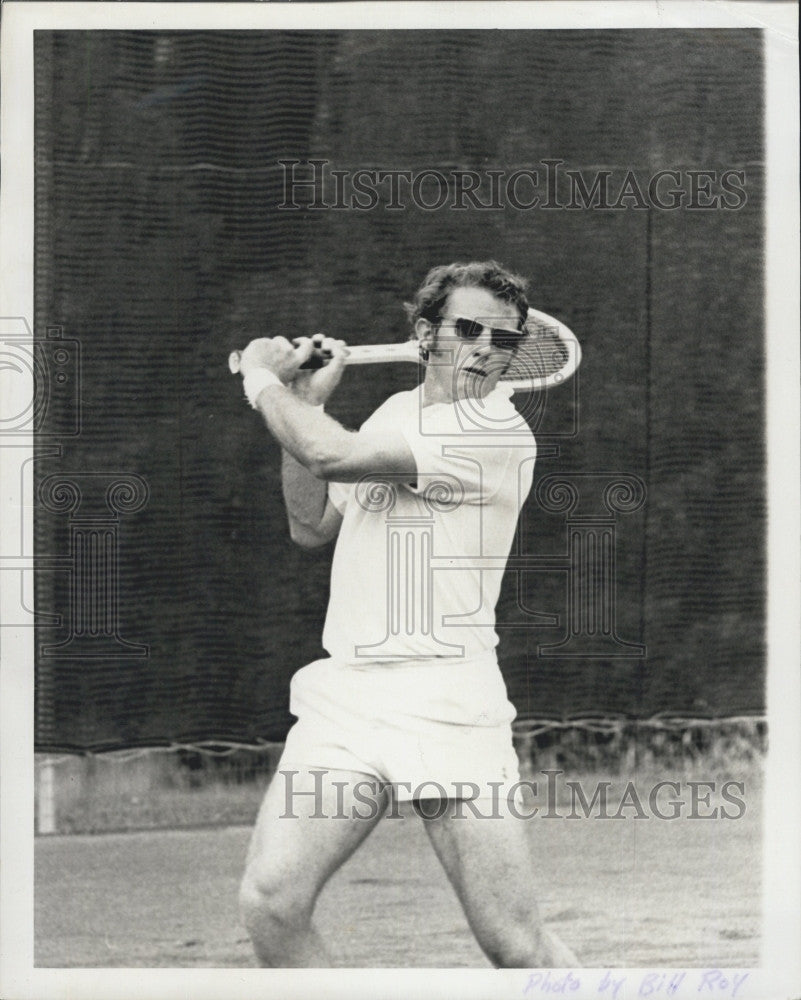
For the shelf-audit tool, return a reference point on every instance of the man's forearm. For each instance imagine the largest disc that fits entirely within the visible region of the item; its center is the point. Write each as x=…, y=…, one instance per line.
x=324, y=447
x=305, y=496
x=311, y=437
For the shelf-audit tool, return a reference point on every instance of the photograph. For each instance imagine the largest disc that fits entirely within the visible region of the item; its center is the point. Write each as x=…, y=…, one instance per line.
x=400, y=500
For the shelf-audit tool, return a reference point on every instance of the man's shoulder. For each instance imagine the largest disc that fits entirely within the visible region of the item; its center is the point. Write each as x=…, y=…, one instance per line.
x=395, y=406
x=493, y=421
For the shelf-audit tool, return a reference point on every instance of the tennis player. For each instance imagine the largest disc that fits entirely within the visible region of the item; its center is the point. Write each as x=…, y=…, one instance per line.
x=411, y=704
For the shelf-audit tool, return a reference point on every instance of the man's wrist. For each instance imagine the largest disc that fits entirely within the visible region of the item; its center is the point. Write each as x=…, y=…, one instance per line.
x=255, y=381
x=305, y=399
x=258, y=379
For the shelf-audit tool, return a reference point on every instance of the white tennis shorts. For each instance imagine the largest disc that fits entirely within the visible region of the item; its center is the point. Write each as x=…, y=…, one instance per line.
x=422, y=726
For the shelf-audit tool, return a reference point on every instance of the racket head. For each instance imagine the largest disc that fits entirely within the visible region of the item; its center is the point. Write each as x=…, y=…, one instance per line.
x=548, y=355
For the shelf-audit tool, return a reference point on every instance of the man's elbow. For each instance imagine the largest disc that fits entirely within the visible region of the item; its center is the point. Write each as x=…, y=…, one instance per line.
x=328, y=468
x=306, y=537
x=333, y=460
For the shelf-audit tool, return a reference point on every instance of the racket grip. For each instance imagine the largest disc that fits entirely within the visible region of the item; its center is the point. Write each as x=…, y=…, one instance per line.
x=314, y=362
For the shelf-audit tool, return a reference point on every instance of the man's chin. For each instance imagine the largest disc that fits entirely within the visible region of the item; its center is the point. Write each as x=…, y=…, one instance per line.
x=473, y=383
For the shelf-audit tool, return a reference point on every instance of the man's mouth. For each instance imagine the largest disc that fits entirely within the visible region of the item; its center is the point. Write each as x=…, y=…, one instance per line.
x=474, y=371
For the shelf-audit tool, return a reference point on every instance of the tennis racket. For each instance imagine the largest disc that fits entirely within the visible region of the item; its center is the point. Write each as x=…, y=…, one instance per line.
x=548, y=355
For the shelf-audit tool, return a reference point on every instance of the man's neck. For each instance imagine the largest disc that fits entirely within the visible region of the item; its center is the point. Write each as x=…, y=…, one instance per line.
x=435, y=389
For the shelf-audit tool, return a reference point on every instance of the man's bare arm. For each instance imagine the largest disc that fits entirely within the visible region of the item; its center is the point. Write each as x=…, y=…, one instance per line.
x=317, y=442
x=323, y=446
x=313, y=519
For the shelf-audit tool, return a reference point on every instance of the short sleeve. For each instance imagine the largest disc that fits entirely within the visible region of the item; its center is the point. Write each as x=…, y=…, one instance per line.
x=444, y=454
x=338, y=494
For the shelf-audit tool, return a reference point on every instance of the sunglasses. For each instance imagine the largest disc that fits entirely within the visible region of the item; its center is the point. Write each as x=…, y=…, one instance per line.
x=471, y=329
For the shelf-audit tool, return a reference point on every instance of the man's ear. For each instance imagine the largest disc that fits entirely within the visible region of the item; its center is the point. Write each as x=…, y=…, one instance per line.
x=426, y=334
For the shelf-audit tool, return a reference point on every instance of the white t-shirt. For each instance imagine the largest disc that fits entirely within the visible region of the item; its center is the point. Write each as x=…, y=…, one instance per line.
x=418, y=564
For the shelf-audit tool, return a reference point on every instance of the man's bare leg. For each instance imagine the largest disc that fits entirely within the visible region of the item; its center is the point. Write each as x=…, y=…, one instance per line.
x=296, y=846
x=489, y=863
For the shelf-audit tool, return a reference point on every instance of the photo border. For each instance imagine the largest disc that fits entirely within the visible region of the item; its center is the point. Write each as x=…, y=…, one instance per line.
x=779, y=974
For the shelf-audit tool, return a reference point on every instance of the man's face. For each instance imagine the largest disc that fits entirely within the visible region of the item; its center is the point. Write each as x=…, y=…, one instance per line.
x=471, y=367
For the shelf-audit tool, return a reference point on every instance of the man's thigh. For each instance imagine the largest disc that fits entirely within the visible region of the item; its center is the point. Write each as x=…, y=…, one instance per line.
x=310, y=822
x=489, y=862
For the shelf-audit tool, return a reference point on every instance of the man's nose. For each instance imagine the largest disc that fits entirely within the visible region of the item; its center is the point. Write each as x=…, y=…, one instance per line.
x=483, y=341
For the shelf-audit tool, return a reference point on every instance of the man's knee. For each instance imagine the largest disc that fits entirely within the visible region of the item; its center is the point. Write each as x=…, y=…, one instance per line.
x=516, y=940
x=266, y=897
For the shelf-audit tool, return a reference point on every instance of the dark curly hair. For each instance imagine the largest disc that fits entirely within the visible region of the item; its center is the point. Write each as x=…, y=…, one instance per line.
x=430, y=298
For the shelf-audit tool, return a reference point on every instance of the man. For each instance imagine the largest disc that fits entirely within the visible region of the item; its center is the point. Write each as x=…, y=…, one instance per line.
x=411, y=699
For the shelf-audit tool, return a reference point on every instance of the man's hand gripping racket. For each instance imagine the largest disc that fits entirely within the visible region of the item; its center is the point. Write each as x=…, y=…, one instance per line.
x=311, y=365
x=548, y=355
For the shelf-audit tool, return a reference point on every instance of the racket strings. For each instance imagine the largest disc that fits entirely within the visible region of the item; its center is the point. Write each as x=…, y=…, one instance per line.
x=542, y=353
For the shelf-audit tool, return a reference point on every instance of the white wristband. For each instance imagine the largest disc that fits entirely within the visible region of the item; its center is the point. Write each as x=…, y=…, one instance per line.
x=256, y=380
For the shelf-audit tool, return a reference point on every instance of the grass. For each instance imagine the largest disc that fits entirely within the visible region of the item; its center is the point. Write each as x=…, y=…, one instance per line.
x=156, y=790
